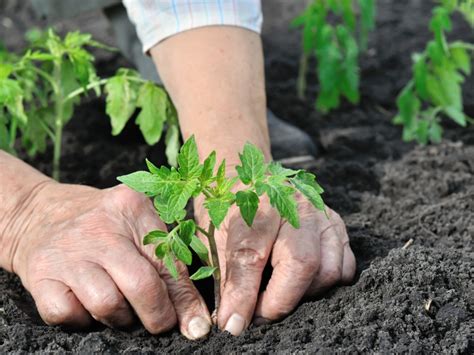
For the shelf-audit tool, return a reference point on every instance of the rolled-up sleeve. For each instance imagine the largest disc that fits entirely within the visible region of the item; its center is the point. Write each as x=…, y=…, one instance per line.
x=156, y=20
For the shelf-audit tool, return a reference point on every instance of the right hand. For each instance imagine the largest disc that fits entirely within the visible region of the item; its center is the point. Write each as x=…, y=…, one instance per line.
x=80, y=254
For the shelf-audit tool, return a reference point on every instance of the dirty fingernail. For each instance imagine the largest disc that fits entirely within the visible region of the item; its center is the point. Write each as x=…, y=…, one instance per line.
x=261, y=321
x=235, y=325
x=198, y=327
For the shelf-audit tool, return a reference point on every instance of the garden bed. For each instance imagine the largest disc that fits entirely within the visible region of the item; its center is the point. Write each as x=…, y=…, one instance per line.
x=417, y=299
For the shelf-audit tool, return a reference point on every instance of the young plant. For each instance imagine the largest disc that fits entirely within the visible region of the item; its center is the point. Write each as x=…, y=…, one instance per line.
x=38, y=92
x=172, y=189
x=438, y=73
x=335, y=48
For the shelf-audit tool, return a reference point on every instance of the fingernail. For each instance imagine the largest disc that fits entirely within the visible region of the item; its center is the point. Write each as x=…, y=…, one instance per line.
x=261, y=321
x=198, y=327
x=235, y=325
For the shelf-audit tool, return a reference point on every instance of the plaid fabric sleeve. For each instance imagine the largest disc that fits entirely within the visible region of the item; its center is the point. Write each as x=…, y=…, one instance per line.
x=156, y=20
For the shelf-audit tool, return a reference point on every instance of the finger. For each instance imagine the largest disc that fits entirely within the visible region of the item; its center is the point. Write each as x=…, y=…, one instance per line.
x=348, y=265
x=193, y=316
x=98, y=293
x=140, y=283
x=332, y=256
x=57, y=304
x=191, y=310
x=295, y=261
x=247, y=252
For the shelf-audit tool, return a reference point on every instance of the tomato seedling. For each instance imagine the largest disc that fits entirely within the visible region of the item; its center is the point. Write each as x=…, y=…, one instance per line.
x=172, y=189
x=38, y=92
x=438, y=74
x=335, y=48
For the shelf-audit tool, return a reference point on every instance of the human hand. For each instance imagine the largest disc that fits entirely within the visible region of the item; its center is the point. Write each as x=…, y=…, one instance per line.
x=306, y=262
x=80, y=255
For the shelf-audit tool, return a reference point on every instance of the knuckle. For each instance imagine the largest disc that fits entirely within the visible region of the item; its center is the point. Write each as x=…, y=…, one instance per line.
x=165, y=322
x=54, y=314
x=305, y=266
x=107, y=304
x=248, y=257
x=331, y=275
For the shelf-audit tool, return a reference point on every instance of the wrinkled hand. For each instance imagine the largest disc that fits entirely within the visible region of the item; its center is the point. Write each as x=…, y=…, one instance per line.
x=306, y=262
x=81, y=257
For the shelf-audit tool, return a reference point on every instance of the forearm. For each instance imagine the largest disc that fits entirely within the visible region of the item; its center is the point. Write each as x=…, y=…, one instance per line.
x=215, y=77
x=19, y=184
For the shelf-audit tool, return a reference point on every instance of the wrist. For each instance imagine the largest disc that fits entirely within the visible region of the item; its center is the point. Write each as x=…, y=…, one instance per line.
x=19, y=199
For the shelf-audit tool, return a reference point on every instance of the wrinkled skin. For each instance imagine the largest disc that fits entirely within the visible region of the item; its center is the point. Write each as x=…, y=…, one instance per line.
x=82, y=259
x=306, y=261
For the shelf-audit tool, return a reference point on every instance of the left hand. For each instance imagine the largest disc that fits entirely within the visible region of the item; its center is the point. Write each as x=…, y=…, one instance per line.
x=306, y=261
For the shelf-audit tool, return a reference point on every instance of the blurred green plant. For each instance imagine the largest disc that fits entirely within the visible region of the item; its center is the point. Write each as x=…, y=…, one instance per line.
x=336, y=47
x=435, y=91
x=39, y=89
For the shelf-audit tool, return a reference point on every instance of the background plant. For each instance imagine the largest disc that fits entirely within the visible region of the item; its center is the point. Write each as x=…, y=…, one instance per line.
x=435, y=91
x=336, y=47
x=38, y=92
x=172, y=188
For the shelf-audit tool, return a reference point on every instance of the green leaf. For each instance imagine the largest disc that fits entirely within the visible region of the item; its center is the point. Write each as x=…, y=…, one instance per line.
x=208, y=169
x=152, y=167
x=161, y=250
x=188, y=160
x=181, y=251
x=247, y=201
x=153, y=102
x=420, y=71
x=435, y=132
x=120, y=103
x=203, y=272
x=186, y=230
x=142, y=181
x=307, y=185
x=456, y=115
x=422, y=131
x=218, y=208
x=408, y=106
x=154, y=237
x=173, y=199
x=253, y=164
x=282, y=198
x=276, y=168
x=461, y=58
x=172, y=144
x=199, y=248
x=168, y=260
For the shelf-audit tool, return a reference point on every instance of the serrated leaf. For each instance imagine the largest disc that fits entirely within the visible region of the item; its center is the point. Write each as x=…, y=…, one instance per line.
x=307, y=185
x=173, y=200
x=218, y=208
x=203, y=272
x=188, y=160
x=142, y=181
x=155, y=237
x=186, y=230
x=152, y=167
x=457, y=116
x=153, y=102
x=181, y=251
x=208, y=169
x=282, y=198
x=169, y=263
x=247, y=201
x=461, y=58
x=199, y=248
x=276, y=168
x=120, y=102
x=161, y=250
x=252, y=166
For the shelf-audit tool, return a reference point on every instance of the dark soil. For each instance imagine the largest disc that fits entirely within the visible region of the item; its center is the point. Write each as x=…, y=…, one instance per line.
x=387, y=191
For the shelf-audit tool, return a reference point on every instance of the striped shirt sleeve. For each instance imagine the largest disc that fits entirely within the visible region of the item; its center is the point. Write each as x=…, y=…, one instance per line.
x=156, y=20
